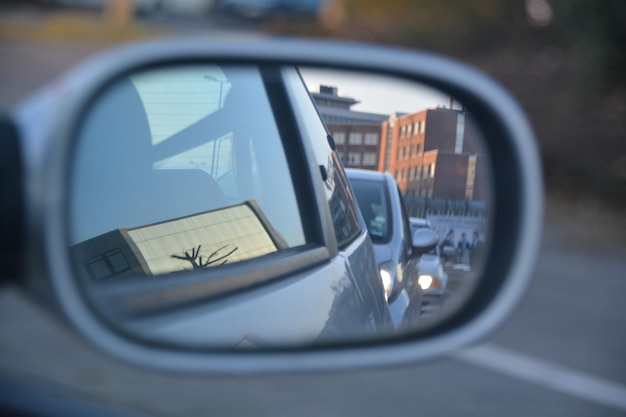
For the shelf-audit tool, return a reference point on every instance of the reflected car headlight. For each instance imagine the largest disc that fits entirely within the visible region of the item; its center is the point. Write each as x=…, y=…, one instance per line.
x=387, y=280
x=425, y=281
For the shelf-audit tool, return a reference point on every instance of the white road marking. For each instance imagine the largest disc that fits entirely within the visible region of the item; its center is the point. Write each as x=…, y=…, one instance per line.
x=547, y=374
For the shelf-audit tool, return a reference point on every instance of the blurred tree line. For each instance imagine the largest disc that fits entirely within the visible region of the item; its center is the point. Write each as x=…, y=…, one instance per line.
x=564, y=60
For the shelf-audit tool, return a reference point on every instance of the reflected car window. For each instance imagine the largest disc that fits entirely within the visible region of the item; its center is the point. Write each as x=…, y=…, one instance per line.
x=340, y=202
x=178, y=169
x=374, y=205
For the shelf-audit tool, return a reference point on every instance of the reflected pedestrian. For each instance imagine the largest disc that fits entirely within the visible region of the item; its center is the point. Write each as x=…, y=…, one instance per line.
x=477, y=249
x=463, y=247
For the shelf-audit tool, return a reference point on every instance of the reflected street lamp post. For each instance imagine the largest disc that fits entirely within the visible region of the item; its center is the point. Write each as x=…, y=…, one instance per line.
x=222, y=82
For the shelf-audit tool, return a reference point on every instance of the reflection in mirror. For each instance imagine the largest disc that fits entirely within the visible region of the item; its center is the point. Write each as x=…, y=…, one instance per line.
x=188, y=187
x=430, y=143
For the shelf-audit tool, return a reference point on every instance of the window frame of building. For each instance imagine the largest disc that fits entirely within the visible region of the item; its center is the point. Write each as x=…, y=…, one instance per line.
x=355, y=138
x=107, y=262
x=339, y=138
x=459, y=134
x=369, y=159
x=354, y=159
x=371, y=139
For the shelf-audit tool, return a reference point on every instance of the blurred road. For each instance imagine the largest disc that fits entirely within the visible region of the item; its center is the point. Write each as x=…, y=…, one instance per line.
x=561, y=354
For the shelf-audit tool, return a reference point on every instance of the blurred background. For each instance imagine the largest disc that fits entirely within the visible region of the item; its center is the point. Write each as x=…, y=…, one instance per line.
x=563, y=60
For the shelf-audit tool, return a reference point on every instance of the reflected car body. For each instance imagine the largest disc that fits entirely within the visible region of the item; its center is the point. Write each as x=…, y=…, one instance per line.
x=430, y=265
x=383, y=210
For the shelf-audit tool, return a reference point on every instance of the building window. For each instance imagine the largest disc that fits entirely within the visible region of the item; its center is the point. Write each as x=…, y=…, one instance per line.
x=371, y=138
x=471, y=177
x=428, y=171
x=356, y=138
x=354, y=158
x=405, y=131
x=460, y=133
x=339, y=137
x=369, y=158
x=107, y=265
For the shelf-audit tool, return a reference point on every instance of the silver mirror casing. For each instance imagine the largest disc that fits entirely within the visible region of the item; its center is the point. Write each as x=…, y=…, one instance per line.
x=517, y=202
x=424, y=240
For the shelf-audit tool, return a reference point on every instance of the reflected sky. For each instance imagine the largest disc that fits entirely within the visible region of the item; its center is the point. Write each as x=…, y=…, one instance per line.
x=379, y=94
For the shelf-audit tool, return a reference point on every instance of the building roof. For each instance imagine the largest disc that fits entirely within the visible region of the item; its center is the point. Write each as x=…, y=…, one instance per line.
x=335, y=109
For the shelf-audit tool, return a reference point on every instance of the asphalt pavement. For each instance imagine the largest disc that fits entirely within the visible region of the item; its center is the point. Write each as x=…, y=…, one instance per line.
x=562, y=353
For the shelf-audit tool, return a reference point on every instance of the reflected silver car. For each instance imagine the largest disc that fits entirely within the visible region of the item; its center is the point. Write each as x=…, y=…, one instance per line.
x=383, y=210
x=432, y=278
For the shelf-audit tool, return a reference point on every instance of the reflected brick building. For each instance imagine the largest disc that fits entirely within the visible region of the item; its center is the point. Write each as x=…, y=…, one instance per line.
x=435, y=153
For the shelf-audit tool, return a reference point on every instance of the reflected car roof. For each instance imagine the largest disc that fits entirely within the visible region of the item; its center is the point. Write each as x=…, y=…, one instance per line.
x=421, y=222
x=364, y=174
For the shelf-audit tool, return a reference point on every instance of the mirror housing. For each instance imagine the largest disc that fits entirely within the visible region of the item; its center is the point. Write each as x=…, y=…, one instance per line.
x=424, y=240
x=48, y=147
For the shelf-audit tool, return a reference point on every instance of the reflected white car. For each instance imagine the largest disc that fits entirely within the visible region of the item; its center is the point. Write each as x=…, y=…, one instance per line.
x=432, y=277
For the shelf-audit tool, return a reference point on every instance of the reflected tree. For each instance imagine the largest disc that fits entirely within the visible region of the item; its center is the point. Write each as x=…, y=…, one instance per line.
x=197, y=262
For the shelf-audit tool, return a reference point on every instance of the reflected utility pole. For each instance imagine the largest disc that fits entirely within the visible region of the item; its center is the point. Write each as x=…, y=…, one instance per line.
x=222, y=82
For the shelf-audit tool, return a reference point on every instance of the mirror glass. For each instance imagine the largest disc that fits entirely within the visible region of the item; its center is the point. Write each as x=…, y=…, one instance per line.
x=201, y=197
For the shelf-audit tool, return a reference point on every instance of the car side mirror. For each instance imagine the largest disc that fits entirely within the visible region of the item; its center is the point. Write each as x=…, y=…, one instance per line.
x=424, y=240
x=187, y=206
